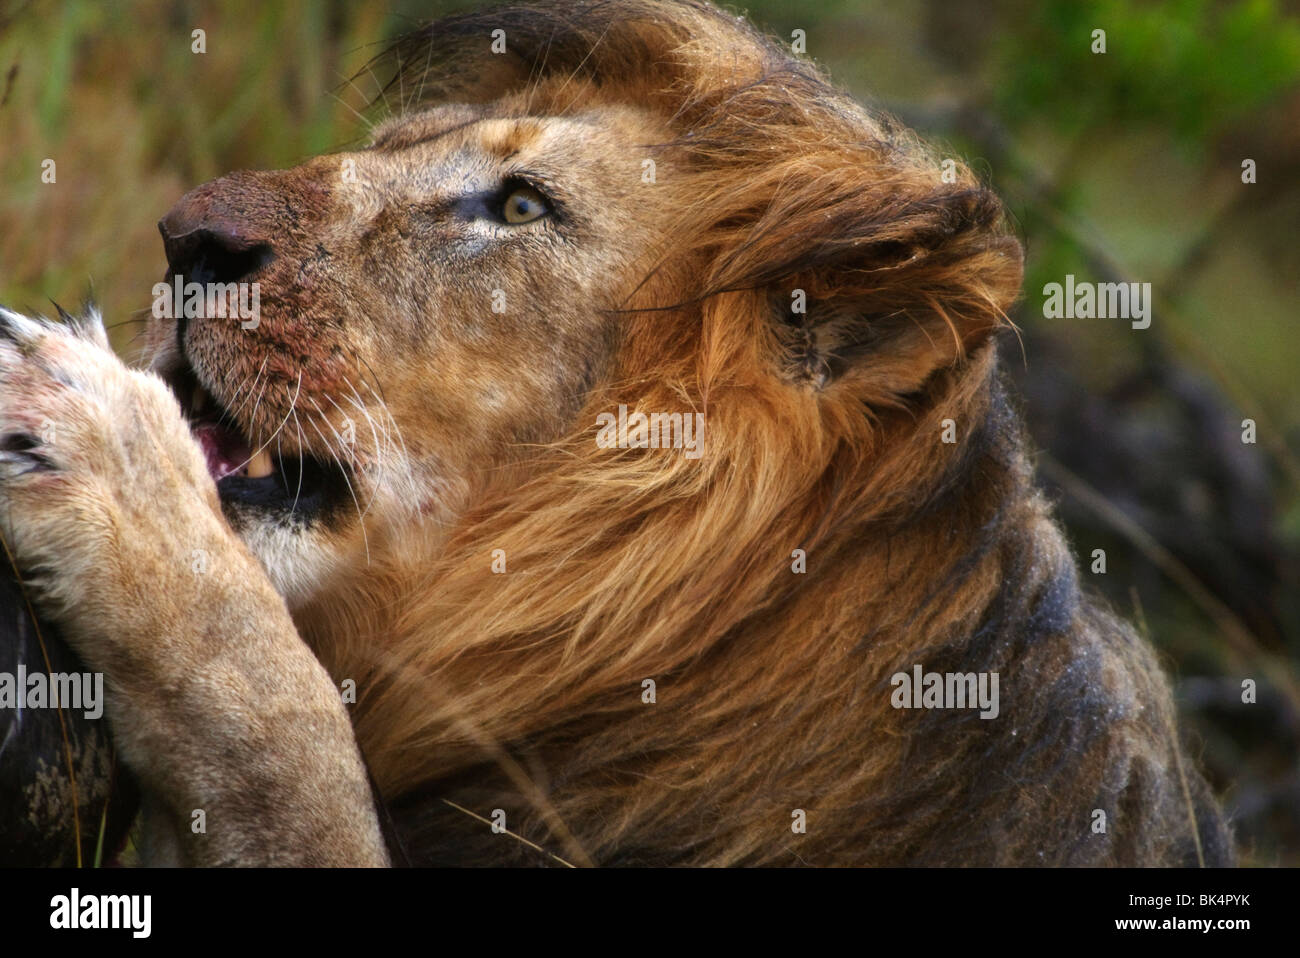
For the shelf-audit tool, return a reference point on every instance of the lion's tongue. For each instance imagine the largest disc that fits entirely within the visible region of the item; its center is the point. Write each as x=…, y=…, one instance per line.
x=227, y=452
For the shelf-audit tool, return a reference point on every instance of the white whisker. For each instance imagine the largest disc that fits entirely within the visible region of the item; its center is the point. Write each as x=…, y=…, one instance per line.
x=361, y=516
x=256, y=380
x=302, y=467
x=275, y=435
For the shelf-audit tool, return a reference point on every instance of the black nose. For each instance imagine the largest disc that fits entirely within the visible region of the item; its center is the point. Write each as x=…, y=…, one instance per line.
x=213, y=253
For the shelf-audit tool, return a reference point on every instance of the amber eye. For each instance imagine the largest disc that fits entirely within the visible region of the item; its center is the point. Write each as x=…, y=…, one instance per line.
x=523, y=205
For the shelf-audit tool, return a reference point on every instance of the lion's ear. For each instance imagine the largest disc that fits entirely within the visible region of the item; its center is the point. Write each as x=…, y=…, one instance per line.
x=906, y=280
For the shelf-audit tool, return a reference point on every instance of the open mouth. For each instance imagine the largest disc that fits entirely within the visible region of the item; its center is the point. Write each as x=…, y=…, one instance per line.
x=253, y=474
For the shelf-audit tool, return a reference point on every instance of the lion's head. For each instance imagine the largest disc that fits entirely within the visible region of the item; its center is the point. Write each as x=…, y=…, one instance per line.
x=431, y=308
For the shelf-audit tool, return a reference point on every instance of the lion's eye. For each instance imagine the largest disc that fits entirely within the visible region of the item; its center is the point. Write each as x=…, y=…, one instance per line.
x=523, y=205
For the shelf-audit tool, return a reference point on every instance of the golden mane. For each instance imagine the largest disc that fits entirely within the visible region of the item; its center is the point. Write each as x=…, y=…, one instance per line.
x=524, y=690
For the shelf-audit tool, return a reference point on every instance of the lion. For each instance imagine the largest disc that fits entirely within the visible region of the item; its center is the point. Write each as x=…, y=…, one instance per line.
x=617, y=470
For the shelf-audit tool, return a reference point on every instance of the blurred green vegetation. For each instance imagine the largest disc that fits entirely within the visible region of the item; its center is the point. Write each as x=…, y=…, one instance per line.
x=1125, y=164
x=1187, y=67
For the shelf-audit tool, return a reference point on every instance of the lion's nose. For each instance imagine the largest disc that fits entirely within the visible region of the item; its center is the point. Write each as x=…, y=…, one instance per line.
x=208, y=239
x=213, y=253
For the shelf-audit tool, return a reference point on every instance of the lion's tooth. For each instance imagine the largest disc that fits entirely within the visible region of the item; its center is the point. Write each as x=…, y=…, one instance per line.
x=259, y=467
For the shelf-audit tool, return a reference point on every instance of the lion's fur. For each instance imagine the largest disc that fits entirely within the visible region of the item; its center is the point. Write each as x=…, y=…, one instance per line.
x=523, y=691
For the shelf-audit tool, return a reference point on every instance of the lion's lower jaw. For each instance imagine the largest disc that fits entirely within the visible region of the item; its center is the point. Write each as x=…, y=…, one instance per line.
x=299, y=559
